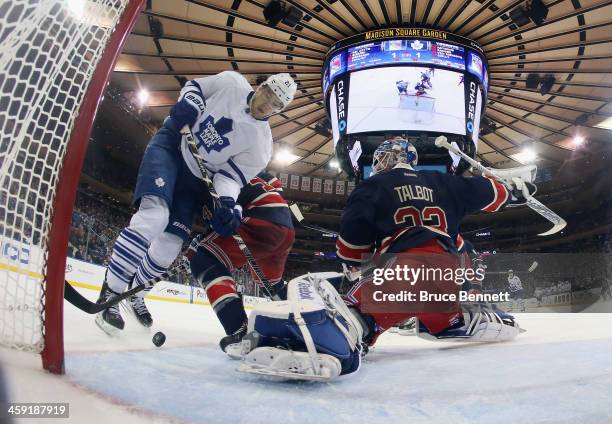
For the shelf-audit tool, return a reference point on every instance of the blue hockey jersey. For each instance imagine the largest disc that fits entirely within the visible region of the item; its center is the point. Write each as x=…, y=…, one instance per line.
x=402, y=208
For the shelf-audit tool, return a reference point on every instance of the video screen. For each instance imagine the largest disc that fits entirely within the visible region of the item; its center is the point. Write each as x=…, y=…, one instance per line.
x=337, y=64
x=406, y=51
x=406, y=98
x=475, y=65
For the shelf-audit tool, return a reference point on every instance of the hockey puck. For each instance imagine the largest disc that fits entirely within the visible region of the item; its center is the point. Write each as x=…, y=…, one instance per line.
x=159, y=338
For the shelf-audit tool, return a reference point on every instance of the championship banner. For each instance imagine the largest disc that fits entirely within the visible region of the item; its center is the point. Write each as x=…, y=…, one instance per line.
x=350, y=186
x=284, y=178
x=339, y=187
x=316, y=185
x=295, y=182
x=305, y=183
x=328, y=186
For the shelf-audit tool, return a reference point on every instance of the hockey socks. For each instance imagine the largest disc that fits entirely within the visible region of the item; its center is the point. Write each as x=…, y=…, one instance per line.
x=127, y=254
x=226, y=303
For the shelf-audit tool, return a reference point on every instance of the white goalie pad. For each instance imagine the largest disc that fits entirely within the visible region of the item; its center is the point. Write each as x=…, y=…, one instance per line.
x=526, y=173
x=351, y=327
x=483, y=325
x=315, y=316
x=282, y=364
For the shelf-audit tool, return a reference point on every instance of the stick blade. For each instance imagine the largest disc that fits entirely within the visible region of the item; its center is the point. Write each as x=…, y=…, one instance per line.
x=440, y=141
x=78, y=300
x=555, y=229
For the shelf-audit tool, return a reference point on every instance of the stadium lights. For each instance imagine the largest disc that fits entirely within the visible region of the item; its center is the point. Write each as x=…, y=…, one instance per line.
x=285, y=157
x=578, y=140
x=334, y=164
x=527, y=155
x=143, y=96
x=277, y=11
x=533, y=10
x=545, y=82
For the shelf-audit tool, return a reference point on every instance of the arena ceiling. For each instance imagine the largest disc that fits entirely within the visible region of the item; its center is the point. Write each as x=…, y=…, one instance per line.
x=176, y=40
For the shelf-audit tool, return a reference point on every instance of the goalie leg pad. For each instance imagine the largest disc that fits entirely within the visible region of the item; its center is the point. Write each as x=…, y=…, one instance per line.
x=481, y=324
x=312, y=322
x=287, y=364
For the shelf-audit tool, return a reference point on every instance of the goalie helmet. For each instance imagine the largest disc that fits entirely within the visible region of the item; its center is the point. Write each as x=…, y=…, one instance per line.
x=394, y=151
x=283, y=86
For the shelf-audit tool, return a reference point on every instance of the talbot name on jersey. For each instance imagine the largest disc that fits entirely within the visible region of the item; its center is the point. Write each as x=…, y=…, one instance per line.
x=414, y=192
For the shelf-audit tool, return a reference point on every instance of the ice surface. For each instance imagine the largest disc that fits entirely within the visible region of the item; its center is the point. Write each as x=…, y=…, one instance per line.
x=559, y=371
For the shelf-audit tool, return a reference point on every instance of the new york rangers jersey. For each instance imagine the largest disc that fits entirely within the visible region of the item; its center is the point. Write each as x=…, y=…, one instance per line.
x=235, y=145
x=262, y=199
x=515, y=284
x=398, y=209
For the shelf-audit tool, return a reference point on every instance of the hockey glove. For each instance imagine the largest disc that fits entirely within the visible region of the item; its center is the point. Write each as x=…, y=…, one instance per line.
x=520, y=191
x=188, y=109
x=227, y=216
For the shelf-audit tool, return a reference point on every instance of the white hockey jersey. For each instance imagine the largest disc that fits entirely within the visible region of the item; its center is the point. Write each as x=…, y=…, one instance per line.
x=235, y=145
x=514, y=283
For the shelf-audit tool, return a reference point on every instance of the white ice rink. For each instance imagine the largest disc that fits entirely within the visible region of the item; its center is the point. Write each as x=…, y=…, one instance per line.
x=374, y=102
x=559, y=371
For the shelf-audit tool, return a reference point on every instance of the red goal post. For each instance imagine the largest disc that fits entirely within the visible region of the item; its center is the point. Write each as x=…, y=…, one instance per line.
x=56, y=57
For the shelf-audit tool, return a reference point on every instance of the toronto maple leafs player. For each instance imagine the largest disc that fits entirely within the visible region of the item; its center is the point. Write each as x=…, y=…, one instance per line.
x=402, y=86
x=516, y=291
x=229, y=121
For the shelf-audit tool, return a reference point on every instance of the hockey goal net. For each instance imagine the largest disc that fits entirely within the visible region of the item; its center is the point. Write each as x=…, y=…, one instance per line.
x=416, y=109
x=55, y=59
x=418, y=103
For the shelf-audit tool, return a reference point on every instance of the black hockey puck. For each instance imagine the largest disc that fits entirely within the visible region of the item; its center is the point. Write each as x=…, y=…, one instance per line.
x=159, y=338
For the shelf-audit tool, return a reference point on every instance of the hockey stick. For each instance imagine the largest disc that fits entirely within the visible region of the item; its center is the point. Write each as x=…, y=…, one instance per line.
x=85, y=305
x=186, y=131
x=532, y=203
x=297, y=214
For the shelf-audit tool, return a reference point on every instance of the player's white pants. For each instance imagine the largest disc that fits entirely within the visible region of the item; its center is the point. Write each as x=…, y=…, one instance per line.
x=143, y=248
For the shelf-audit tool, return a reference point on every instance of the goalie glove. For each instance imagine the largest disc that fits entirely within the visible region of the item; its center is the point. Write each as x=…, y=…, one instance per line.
x=520, y=191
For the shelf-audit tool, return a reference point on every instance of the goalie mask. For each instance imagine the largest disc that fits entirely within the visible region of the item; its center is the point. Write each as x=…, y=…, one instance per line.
x=394, y=151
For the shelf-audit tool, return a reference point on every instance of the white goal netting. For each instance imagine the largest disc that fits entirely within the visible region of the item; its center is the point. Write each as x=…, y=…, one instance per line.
x=49, y=50
x=417, y=109
x=418, y=103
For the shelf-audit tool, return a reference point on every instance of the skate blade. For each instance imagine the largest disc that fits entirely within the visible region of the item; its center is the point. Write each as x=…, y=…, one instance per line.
x=106, y=327
x=127, y=307
x=279, y=375
x=234, y=351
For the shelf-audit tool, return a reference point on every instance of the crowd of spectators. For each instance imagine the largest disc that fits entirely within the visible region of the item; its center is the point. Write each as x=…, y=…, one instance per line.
x=96, y=221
